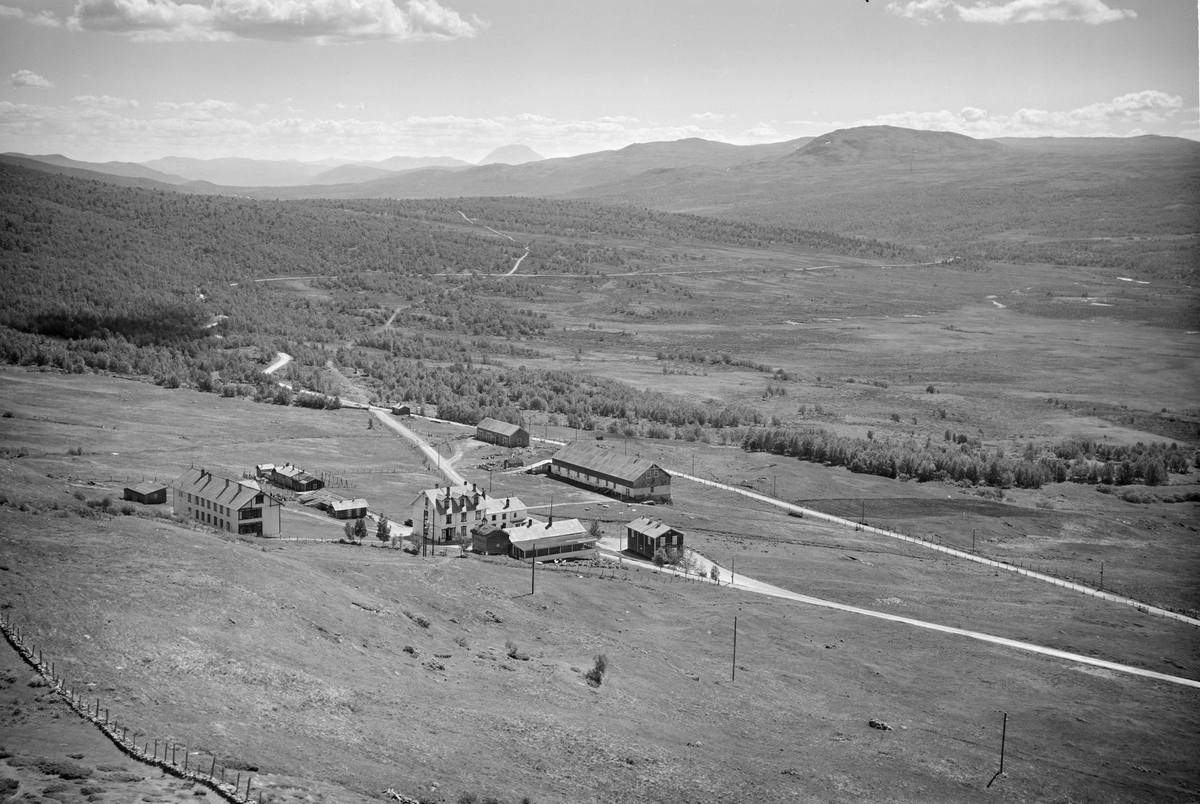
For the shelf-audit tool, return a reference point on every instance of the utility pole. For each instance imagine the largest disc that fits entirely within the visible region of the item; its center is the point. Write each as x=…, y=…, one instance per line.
x=733, y=670
x=773, y=479
x=533, y=573
x=972, y=540
x=1003, y=736
x=1101, y=574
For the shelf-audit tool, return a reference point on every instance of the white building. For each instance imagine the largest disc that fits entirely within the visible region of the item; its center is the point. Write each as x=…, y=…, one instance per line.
x=448, y=514
x=546, y=541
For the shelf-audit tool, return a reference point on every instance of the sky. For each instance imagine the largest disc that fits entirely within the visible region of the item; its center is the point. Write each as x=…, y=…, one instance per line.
x=135, y=80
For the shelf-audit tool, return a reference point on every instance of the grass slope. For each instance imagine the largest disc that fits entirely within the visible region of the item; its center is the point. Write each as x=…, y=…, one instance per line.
x=291, y=656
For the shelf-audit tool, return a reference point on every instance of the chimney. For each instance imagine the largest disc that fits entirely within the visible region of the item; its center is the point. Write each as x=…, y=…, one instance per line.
x=472, y=487
x=507, y=500
x=551, y=522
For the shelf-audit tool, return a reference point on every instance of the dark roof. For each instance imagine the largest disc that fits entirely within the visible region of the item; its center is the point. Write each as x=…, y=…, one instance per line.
x=228, y=491
x=499, y=427
x=605, y=461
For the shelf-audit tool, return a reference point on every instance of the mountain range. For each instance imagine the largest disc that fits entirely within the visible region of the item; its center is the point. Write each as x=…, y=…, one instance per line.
x=941, y=191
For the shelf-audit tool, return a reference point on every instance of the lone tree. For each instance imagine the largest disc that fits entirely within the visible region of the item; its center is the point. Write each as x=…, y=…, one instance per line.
x=349, y=531
x=360, y=529
x=594, y=530
x=383, y=529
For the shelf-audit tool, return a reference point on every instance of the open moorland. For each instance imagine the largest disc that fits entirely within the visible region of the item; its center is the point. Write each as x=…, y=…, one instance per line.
x=201, y=638
x=1034, y=400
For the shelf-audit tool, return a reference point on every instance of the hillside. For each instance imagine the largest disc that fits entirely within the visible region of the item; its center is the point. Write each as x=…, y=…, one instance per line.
x=124, y=169
x=892, y=144
x=343, y=671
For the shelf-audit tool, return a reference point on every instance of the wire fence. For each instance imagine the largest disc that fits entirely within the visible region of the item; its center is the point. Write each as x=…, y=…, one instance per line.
x=170, y=756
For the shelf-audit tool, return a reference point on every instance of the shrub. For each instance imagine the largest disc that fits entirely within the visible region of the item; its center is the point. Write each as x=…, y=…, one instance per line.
x=714, y=573
x=929, y=389
x=418, y=619
x=75, y=451
x=514, y=651
x=595, y=675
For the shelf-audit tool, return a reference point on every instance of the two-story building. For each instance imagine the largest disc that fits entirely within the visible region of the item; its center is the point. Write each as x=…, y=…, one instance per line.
x=448, y=514
x=646, y=537
x=494, y=431
x=230, y=504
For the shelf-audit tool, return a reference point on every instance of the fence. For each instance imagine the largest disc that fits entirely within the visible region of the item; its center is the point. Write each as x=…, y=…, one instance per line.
x=118, y=733
x=1048, y=576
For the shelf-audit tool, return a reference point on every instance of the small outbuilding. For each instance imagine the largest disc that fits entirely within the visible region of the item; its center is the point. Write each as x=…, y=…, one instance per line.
x=490, y=539
x=401, y=410
x=146, y=493
x=647, y=536
x=295, y=478
x=349, y=509
x=494, y=431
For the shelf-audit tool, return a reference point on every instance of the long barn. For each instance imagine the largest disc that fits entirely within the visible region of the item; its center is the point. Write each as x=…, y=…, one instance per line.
x=610, y=472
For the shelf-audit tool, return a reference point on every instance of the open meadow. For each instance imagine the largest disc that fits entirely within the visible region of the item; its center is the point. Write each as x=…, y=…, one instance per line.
x=338, y=672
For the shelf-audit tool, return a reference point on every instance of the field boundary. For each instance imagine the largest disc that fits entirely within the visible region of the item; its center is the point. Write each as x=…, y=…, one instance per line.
x=1141, y=606
x=118, y=736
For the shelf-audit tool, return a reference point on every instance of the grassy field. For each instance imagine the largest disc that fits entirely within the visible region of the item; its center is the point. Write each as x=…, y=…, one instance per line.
x=290, y=656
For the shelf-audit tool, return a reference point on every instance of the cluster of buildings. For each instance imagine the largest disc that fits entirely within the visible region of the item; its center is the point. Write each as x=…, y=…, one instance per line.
x=451, y=514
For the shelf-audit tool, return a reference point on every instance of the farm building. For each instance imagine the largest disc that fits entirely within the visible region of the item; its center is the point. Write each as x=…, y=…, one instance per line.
x=546, y=541
x=146, y=493
x=447, y=514
x=488, y=538
x=294, y=478
x=236, y=506
x=349, y=509
x=494, y=431
x=646, y=536
x=401, y=410
x=611, y=473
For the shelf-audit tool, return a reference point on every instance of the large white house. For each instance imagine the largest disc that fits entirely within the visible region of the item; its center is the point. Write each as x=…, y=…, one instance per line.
x=226, y=503
x=448, y=514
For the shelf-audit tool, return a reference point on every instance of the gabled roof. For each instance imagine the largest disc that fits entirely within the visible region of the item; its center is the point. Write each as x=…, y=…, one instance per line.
x=349, y=505
x=147, y=487
x=294, y=472
x=228, y=491
x=650, y=527
x=499, y=427
x=533, y=530
x=455, y=502
x=605, y=461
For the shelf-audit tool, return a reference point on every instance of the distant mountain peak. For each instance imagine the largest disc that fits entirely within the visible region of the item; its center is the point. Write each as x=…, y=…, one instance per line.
x=512, y=155
x=876, y=143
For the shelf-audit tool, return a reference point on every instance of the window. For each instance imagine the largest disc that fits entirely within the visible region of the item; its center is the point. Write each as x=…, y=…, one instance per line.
x=254, y=528
x=258, y=500
x=250, y=513
x=449, y=518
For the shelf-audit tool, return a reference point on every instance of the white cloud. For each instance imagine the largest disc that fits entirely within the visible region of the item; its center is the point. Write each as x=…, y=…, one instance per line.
x=317, y=21
x=1121, y=116
x=707, y=116
x=1093, y=12
x=43, y=18
x=104, y=101
x=28, y=78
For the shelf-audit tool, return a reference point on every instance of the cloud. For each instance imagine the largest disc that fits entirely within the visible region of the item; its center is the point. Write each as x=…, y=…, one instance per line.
x=315, y=21
x=104, y=101
x=1093, y=12
x=707, y=116
x=1121, y=116
x=43, y=18
x=28, y=78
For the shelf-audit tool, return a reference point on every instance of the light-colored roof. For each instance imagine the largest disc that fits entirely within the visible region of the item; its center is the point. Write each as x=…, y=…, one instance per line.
x=228, y=491
x=457, y=493
x=605, y=461
x=650, y=527
x=147, y=487
x=349, y=505
x=497, y=426
x=294, y=472
x=566, y=530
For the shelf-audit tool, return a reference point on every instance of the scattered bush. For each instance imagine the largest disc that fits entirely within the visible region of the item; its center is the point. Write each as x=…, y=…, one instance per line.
x=75, y=451
x=929, y=389
x=418, y=619
x=714, y=573
x=513, y=651
x=595, y=675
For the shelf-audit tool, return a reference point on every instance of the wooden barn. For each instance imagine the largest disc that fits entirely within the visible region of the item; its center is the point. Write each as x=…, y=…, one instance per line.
x=295, y=478
x=490, y=539
x=146, y=493
x=494, y=431
x=401, y=410
x=646, y=536
x=610, y=472
x=349, y=509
